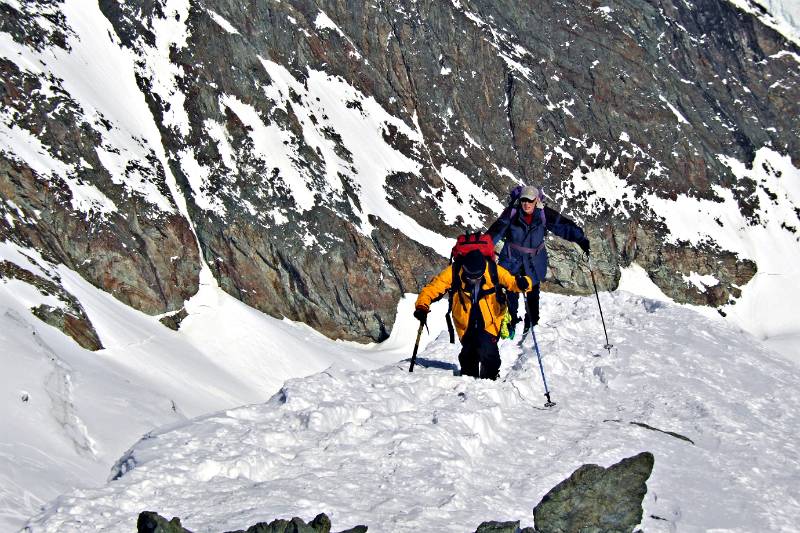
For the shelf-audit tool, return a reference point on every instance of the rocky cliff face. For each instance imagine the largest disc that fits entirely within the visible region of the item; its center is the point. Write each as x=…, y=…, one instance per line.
x=310, y=139
x=71, y=194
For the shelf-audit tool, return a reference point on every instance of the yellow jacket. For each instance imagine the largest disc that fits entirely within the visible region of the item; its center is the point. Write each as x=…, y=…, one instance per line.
x=490, y=308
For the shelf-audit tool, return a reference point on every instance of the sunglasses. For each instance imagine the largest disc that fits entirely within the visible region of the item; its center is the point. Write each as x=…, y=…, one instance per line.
x=471, y=278
x=527, y=201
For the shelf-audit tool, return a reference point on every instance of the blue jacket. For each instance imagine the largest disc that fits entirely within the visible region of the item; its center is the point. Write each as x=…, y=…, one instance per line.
x=524, y=250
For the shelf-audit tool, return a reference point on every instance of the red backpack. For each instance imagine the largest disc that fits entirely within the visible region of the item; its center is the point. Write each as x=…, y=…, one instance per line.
x=473, y=241
x=465, y=244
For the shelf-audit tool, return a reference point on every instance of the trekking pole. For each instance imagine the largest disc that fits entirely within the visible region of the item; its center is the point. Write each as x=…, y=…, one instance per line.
x=416, y=347
x=549, y=402
x=608, y=345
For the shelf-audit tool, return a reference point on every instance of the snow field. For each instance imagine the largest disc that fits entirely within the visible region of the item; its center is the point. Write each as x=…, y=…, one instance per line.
x=435, y=451
x=84, y=409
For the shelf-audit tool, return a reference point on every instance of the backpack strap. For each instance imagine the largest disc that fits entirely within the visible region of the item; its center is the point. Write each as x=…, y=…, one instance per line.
x=455, y=265
x=499, y=291
x=450, y=329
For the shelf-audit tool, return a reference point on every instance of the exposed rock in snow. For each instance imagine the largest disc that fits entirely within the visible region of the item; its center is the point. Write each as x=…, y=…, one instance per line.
x=594, y=498
x=431, y=450
x=149, y=522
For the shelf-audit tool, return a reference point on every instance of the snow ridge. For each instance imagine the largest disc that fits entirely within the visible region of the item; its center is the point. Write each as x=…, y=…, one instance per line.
x=404, y=452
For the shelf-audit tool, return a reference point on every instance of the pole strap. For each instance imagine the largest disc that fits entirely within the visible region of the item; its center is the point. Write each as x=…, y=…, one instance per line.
x=450, y=328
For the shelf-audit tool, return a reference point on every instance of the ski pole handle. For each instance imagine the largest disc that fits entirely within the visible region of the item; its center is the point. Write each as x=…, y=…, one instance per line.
x=416, y=347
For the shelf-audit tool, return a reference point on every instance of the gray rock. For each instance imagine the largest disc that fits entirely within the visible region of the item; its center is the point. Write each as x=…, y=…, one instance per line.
x=596, y=499
x=70, y=318
x=173, y=320
x=150, y=522
x=498, y=527
x=320, y=524
x=545, y=91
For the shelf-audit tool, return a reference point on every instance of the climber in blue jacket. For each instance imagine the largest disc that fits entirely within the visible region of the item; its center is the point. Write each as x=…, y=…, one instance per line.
x=523, y=226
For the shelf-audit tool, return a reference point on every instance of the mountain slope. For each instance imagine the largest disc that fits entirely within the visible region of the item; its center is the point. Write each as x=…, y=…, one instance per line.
x=317, y=156
x=69, y=413
x=783, y=15
x=437, y=452
x=312, y=161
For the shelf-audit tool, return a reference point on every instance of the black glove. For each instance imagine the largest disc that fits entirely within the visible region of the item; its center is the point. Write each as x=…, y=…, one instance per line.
x=584, y=244
x=522, y=283
x=421, y=314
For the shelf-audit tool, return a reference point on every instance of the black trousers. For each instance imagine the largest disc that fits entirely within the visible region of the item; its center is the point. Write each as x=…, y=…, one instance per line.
x=532, y=313
x=479, y=355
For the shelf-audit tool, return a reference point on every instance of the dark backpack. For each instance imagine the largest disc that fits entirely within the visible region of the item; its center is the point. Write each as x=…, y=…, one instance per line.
x=464, y=244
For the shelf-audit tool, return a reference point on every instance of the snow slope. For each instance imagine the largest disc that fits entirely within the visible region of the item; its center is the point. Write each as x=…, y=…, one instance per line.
x=68, y=413
x=766, y=306
x=433, y=451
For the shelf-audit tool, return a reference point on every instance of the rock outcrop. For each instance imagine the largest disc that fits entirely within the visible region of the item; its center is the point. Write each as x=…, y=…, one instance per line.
x=503, y=527
x=592, y=499
x=66, y=313
x=150, y=522
x=598, y=499
x=296, y=209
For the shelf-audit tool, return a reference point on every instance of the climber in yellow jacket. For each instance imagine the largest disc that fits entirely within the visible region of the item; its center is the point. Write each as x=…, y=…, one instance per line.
x=478, y=309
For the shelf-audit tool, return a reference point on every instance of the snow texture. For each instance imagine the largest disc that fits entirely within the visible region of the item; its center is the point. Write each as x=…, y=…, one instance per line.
x=72, y=413
x=770, y=237
x=439, y=452
x=224, y=24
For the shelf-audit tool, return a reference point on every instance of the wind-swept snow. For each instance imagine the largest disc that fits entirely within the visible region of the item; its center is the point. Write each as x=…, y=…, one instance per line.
x=437, y=452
